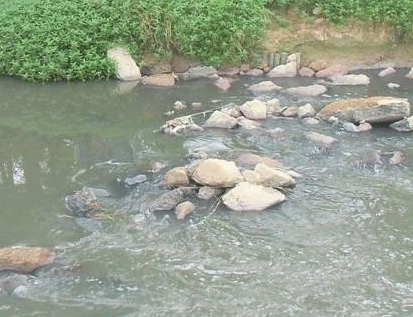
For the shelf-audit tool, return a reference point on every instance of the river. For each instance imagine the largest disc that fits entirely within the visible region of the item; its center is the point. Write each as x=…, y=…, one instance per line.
x=340, y=245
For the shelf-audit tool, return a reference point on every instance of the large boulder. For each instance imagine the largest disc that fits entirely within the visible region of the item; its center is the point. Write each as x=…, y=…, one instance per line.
x=312, y=90
x=126, y=68
x=251, y=197
x=160, y=80
x=219, y=119
x=264, y=86
x=254, y=109
x=217, y=173
x=372, y=109
x=24, y=259
x=286, y=70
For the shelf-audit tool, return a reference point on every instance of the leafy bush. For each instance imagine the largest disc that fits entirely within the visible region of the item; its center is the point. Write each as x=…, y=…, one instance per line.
x=68, y=39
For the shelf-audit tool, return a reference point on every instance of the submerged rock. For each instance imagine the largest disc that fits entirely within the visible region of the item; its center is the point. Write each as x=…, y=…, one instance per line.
x=404, y=125
x=184, y=209
x=264, y=86
x=82, y=202
x=133, y=181
x=24, y=259
x=372, y=109
x=398, y=157
x=169, y=200
x=320, y=139
x=250, y=197
x=217, y=173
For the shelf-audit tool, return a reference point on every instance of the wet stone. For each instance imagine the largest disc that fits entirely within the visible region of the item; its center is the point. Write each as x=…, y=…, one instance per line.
x=133, y=181
x=184, y=209
x=169, y=200
x=24, y=259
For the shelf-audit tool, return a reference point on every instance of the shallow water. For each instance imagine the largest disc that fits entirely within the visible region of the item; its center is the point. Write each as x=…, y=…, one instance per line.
x=341, y=245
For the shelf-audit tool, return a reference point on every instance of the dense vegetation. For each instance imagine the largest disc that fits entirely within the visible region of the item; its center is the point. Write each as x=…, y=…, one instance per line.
x=68, y=39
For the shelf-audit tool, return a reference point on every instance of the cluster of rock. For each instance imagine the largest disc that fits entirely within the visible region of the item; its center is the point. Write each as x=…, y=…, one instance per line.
x=251, y=183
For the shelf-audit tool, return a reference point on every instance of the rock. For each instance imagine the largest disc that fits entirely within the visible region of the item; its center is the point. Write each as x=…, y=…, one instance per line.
x=169, y=200
x=321, y=139
x=264, y=86
x=232, y=110
x=312, y=90
x=305, y=111
x=176, y=177
x=217, y=173
x=398, y=157
x=99, y=192
x=179, y=105
x=245, y=67
x=125, y=87
x=404, y=125
x=386, y=72
x=290, y=111
x=248, y=124
x=351, y=127
x=372, y=109
x=184, y=209
x=350, y=80
x=82, y=202
x=274, y=107
x=273, y=177
x=126, y=68
x=25, y=259
x=249, y=161
x=332, y=70
x=250, y=197
x=318, y=65
x=223, y=83
x=252, y=177
x=393, y=85
x=219, y=119
x=310, y=121
x=156, y=167
x=181, y=64
x=133, y=181
x=201, y=72
x=207, y=192
x=228, y=71
x=175, y=126
x=287, y=70
x=410, y=73
x=254, y=109
x=160, y=80
x=306, y=72
x=196, y=105
x=254, y=72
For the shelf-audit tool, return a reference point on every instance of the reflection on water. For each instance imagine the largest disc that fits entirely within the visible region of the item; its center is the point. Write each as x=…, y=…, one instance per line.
x=339, y=246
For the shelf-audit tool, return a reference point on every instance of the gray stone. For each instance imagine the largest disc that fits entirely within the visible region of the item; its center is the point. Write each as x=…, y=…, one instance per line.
x=179, y=105
x=249, y=161
x=184, y=209
x=207, y=192
x=126, y=68
x=350, y=80
x=290, y=111
x=393, y=85
x=305, y=111
x=201, y=72
x=217, y=173
x=306, y=72
x=287, y=70
x=248, y=124
x=310, y=121
x=132, y=181
x=404, y=125
x=254, y=109
x=250, y=197
x=274, y=107
x=264, y=86
x=351, y=127
x=372, y=109
x=312, y=90
x=254, y=72
x=398, y=157
x=218, y=119
x=386, y=72
x=320, y=139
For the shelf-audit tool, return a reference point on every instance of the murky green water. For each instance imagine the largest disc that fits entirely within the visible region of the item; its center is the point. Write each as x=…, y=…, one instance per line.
x=341, y=245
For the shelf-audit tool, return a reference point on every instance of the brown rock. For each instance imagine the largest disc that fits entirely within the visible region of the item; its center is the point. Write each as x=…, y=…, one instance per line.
x=184, y=209
x=306, y=72
x=273, y=177
x=176, y=177
x=332, y=70
x=318, y=65
x=24, y=259
x=160, y=80
x=227, y=71
x=254, y=72
x=181, y=64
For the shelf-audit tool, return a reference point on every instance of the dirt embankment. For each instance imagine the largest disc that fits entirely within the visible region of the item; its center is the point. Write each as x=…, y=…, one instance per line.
x=355, y=44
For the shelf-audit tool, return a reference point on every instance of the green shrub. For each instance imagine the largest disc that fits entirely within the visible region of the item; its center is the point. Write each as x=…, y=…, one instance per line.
x=68, y=39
